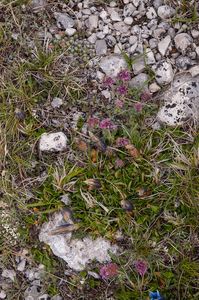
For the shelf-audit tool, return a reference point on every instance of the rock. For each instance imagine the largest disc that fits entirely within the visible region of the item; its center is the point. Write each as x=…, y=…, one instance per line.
x=15, y=36
x=70, y=31
x=166, y=12
x=77, y=253
x=92, y=39
x=116, y=48
x=150, y=59
x=101, y=47
x=182, y=42
x=133, y=39
x=181, y=101
x=121, y=27
x=195, y=33
x=34, y=293
x=57, y=297
x=183, y=62
x=52, y=142
x=112, y=64
x=159, y=33
x=156, y=126
x=115, y=16
x=164, y=44
x=128, y=21
x=21, y=265
x=93, y=22
x=94, y=274
x=65, y=199
x=139, y=80
x=9, y=274
x=164, y=72
x=57, y=102
x=128, y=10
x=103, y=14
x=171, y=32
x=153, y=43
x=194, y=71
x=64, y=21
x=38, y=5
x=151, y=14
x=153, y=87
x=2, y=294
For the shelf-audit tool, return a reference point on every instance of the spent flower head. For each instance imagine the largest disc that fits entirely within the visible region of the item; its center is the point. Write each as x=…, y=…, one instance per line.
x=123, y=74
x=119, y=103
x=92, y=122
x=141, y=267
x=122, y=142
x=107, y=124
x=145, y=96
x=107, y=81
x=138, y=106
x=122, y=89
x=109, y=270
x=155, y=296
x=119, y=163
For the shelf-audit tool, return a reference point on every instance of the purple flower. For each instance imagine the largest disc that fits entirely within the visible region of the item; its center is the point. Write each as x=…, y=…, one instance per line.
x=123, y=75
x=107, y=124
x=141, y=267
x=138, y=106
x=145, y=96
x=119, y=163
x=122, y=142
x=119, y=103
x=107, y=81
x=122, y=89
x=109, y=270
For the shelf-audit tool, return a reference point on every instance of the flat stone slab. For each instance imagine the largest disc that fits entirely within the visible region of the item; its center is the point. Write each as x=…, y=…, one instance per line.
x=53, y=142
x=181, y=102
x=77, y=253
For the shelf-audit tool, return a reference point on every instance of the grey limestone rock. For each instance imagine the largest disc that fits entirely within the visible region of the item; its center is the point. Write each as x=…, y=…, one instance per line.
x=38, y=5
x=101, y=47
x=182, y=42
x=139, y=80
x=164, y=72
x=166, y=11
x=164, y=44
x=52, y=142
x=64, y=21
x=112, y=64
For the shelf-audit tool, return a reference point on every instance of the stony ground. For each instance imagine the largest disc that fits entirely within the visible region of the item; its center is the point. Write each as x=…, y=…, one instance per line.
x=57, y=60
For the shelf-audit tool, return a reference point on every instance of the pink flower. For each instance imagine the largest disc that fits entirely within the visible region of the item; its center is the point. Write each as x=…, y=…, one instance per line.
x=145, y=96
x=92, y=122
x=107, y=81
x=122, y=142
x=119, y=163
x=141, y=267
x=109, y=270
x=119, y=103
x=122, y=89
x=138, y=106
x=123, y=75
x=107, y=124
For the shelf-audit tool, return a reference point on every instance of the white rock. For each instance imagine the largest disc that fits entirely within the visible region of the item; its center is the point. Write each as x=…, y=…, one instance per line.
x=139, y=80
x=126, y=1
x=182, y=42
x=151, y=14
x=113, y=4
x=38, y=5
x=133, y=48
x=194, y=71
x=121, y=27
x=128, y=20
x=112, y=64
x=100, y=35
x=70, y=31
x=164, y=44
x=57, y=102
x=150, y=59
x=52, y=142
x=77, y=253
x=156, y=126
x=21, y=265
x=164, y=72
x=115, y=16
x=65, y=199
x=106, y=30
x=93, y=38
x=15, y=36
x=116, y=48
x=103, y=14
x=2, y=294
x=9, y=274
x=93, y=22
x=154, y=87
x=100, y=75
x=128, y=10
x=197, y=50
x=166, y=11
x=194, y=33
x=106, y=94
x=136, y=2
x=64, y=21
x=133, y=39
x=101, y=47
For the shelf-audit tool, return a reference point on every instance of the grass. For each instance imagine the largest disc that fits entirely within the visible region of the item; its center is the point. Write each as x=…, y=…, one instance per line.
x=161, y=230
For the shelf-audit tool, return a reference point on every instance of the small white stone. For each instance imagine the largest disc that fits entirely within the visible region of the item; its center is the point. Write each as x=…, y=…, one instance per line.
x=3, y=293
x=166, y=11
x=194, y=33
x=106, y=94
x=128, y=20
x=154, y=87
x=105, y=30
x=197, y=50
x=100, y=35
x=70, y=31
x=103, y=14
x=151, y=14
x=100, y=75
x=93, y=38
x=164, y=44
x=21, y=265
x=133, y=39
x=9, y=274
x=52, y=142
x=194, y=71
x=126, y=1
x=116, y=48
x=57, y=102
x=113, y=4
x=115, y=16
x=93, y=22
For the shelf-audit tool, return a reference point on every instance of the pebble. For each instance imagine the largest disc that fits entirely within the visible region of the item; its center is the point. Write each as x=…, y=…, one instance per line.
x=53, y=142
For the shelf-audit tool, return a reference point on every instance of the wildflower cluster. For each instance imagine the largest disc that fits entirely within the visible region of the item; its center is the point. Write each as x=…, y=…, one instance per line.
x=107, y=124
x=123, y=74
x=92, y=122
x=122, y=89
x=109, y=270
x=141, y=267
x=119, y=163
x=107, y=81
x=122, y=142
